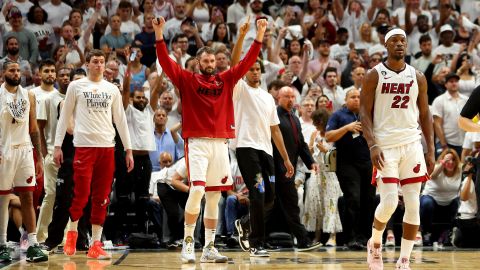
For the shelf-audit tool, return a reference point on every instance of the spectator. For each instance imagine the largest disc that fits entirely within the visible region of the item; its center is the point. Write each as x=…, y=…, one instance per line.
x=466, y=234
x=445, y=110
x=366, y=38
x=147, y=8
x=419, y=29
x=221, y=36
x=317, y=67
x=73, y=51
x=195, y=42
x=223, y=60
x=414, y=8
x=448, y=49
x=128, y=28
x=350, y=17
x=146, y=40
x=139, y=72
x=357, y=77
x=421, y=63
x=314, y=92
x=166, y=140
x=27, y=43
x=274, y=87
x=216, y=18
x=199, y=12
x=43, y=31
x=323, y=189
x=469, y=145
x=323, y=102
x=13, y=54
x=340, y=50
x=163, y=8
x=236, y=12
x=115, y=40
x=256, y=7
x=439, y=200
x=463, y=64
x=332, y=90
x=57, y=11
x=354, y=170
x=172, y=26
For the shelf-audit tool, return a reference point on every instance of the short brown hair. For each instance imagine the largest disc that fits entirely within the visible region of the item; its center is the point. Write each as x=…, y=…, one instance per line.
x=205, y=49
x=94, y=52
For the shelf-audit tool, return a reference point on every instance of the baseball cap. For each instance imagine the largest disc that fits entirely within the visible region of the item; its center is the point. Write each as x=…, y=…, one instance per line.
x=445, y=28
x=451, y=75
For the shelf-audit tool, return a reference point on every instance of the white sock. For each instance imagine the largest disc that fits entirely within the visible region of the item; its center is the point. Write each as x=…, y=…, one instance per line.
x=209, y=236
x=96, y=233
x=377, y=235
x=73, y=225
x=21, y=230
x=4, y=201
x=32, y=239
x=189, y=230
x=406, y=248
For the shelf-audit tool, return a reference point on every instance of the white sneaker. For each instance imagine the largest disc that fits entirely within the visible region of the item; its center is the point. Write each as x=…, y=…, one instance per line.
x=211, y=255
x=403, y=264
x=188, y=250
x=390, y=241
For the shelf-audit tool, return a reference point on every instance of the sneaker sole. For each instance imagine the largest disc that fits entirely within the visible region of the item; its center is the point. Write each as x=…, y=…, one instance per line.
x=308, y=249
x=37, y=259
x=238, y=226
x=214, y=261
x=260, y=256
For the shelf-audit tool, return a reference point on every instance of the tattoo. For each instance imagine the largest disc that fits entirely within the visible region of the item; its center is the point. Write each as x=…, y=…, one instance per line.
x=35, y=138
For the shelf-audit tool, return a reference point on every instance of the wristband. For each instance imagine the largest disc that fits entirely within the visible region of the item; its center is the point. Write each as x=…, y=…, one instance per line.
x=373, y=146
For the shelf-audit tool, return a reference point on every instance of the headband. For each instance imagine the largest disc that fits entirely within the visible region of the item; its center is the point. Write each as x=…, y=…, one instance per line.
x=396, y=31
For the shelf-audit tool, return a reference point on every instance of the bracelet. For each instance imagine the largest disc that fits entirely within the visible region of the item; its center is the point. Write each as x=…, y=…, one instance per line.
x=373, y=146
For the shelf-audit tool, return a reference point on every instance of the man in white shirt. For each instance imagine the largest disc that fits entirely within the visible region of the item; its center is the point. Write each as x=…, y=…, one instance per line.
x=357, y=77
x=236, y=12
x=93, y=103
x=141, y=128
x=340, y=50
x=422, y=62
x=128, y=28
x=57, y=11
x=332, y=90
x=446, y=110
x=172, y=26
x=448, y=49
x=47, y=124
x=252, y=142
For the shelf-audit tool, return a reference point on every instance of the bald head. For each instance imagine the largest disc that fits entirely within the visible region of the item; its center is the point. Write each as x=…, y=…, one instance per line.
x=286, y=98
x=165, y=160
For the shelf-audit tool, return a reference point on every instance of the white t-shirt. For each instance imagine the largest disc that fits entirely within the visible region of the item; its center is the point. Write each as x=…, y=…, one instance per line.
x=255, y=112
x=172, y=27
x=400, y=13
x=443, y=189
x=141, y=128
x=469, y=141
x=448, y=108
x=340, y=53
x=40, y=95
x=165, y=175
x=23, y=7
x=414, y=37
x=93, y=105
x=56, y=14
x=48, y=111
x=468, y=209
x=307, y=130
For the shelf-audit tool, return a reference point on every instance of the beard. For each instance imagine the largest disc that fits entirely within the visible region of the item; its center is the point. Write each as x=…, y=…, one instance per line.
x=13, y=51
x=207, y=71
x=139, y=106
x=48, y=81
x=12, y=82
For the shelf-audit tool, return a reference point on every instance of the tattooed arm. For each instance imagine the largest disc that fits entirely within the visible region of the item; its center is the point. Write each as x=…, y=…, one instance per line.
x=35, y=134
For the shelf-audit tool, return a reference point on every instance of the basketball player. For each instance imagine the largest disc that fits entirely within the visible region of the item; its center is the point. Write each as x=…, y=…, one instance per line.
x=93, y=103
x=18, y=133
x=208, y=122
x=393, y=99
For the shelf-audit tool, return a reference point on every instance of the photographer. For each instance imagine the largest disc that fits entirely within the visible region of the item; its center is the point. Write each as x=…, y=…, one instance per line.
x=467, y=233
x=465, y=122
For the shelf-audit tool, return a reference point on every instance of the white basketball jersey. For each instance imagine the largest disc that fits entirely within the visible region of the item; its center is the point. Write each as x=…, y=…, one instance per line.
x=395, y=117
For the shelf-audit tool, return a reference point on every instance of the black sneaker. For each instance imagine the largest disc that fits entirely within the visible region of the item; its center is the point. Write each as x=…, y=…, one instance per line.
x=355, y=245
x=232, y=241
x=308, y=246
x=242, y=236
x=259, y=252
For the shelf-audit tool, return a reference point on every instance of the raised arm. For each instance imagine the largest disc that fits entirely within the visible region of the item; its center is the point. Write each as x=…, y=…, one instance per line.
x=237, y=49
x=156, y=90
x=425, y=120
x=303, y=74
x=169, y=66
x=275, y=55
x=126, y=83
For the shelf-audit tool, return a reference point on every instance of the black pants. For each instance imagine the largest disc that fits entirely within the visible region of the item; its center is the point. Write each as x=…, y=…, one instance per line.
x=136, y=182
x=173, y=201
x=256, y=168
x=359, y=194
x=468, y=234
x=61, y=214
x=287, y=198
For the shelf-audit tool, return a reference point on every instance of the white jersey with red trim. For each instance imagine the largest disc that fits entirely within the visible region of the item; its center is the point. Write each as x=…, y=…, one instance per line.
x=395, y=117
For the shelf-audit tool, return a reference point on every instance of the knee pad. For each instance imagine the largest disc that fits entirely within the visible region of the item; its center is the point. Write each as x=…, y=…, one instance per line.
x=194, y=200
x=386, y=208
x=412, y=207
x=211, y=205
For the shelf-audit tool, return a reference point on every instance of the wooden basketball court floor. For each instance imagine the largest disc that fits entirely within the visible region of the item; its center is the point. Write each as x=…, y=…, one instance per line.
x=324, y=258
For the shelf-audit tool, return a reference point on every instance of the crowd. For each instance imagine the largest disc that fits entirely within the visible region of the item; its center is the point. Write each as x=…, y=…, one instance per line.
x=313, y=56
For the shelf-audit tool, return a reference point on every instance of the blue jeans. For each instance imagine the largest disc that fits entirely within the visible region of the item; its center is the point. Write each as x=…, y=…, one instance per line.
x=233, y=211
x=430, y=210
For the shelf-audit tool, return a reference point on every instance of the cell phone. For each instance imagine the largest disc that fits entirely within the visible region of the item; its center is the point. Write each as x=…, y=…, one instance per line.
x=133, y=55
